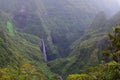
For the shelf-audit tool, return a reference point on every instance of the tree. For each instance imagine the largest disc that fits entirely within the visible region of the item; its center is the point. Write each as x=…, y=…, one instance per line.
x=78, y=77
x=113, y=50
x=106, y=71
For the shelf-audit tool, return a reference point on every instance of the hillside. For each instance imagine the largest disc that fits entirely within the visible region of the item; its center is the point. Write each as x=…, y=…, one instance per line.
x=86, y=51
x=51, y=39
x=93, y=41
x=59, y=23
x=109, y=68
x=20, y=51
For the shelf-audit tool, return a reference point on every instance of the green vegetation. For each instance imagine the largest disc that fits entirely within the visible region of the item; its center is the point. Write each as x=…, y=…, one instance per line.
x=25, y=72
x=105, y=71
x=1, y=41
x=78, y=77
x=10, y=28
x=57, y=22
x=113, y=50
x=71, y=45
x=20, y=55
x=86, y=51
x=109, y=71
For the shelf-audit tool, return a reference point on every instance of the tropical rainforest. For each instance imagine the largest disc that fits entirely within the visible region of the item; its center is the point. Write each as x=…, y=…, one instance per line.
x=59, y=40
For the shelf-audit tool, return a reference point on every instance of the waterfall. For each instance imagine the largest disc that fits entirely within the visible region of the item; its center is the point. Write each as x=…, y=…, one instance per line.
x=60, y=77
x=44, y=51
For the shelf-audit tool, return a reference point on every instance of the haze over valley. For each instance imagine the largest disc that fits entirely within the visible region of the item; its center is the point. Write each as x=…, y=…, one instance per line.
x=59, y=40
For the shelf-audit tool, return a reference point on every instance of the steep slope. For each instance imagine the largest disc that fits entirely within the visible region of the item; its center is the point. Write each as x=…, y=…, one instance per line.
x=48, y=21
x=59, y=23
x=105, y=70
x=88, y=48
x=20, y=51
x=86, y=51
x=83, y=50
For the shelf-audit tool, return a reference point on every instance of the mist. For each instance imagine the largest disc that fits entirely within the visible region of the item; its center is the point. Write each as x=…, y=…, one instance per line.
x=59, y=39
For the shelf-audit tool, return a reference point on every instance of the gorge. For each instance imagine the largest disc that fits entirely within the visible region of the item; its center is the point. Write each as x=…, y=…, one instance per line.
x=56, y=39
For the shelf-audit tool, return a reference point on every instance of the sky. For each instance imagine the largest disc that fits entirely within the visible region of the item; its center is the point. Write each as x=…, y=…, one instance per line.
x=118, y=1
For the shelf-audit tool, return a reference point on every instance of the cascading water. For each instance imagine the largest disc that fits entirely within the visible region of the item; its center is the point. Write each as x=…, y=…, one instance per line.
x=43, y=48
x=60, y=77
x=44, y=51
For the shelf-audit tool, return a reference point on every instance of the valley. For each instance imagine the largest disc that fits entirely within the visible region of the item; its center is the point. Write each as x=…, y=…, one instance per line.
x=57, y=39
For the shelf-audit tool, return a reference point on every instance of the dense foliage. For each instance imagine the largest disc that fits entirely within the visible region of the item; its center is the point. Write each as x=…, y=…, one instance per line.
x=60, y=23
x=105, y=71
x=86, y=51
x=113, y=50
x=25, y=72
x=71, y=45
x=109, y=71
x=20, y=55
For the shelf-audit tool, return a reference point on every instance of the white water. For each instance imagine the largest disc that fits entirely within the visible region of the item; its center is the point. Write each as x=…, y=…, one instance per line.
x=60, y=77
x=45, y=55
x=44, y=51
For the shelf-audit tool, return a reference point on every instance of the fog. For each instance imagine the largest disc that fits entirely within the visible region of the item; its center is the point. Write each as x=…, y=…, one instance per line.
x=118, y=1
x=40, y=37
x=110, y=7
